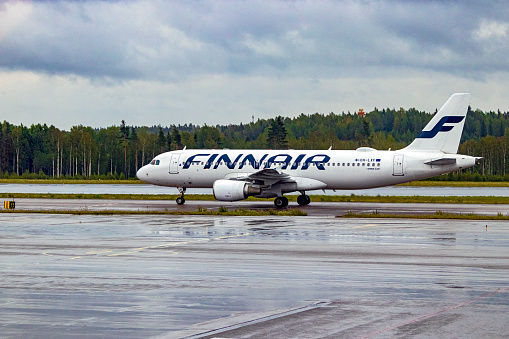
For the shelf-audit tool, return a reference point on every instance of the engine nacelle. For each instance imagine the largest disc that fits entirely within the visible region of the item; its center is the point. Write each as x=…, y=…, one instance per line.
x=233, y=190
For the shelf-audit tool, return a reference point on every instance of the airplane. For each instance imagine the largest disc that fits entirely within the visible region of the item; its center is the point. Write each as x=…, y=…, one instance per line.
x=235, y=175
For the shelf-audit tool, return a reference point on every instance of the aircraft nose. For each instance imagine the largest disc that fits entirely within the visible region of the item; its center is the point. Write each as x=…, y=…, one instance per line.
x=142, y=173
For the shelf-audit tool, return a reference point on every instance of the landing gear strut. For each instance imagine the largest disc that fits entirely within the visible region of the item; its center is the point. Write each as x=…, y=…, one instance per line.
x=303, y=199
x=281, y=202
x=180, y=200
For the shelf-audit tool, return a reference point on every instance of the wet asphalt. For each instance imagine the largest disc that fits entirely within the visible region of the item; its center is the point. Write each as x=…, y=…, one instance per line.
x=252, y=277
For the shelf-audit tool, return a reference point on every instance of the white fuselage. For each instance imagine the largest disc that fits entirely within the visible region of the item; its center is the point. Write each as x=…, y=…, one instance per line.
x=237, y=174
x=310, y=169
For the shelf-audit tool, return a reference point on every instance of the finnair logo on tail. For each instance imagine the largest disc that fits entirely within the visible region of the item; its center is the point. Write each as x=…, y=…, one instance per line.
x=439, y=127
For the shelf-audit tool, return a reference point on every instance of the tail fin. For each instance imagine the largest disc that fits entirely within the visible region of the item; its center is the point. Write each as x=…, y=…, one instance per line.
x=443, y=132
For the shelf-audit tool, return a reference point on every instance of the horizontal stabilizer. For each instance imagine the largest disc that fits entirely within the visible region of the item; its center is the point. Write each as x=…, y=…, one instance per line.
x=441, y=162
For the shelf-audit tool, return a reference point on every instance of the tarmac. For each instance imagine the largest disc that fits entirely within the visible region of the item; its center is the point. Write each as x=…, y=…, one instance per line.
x=325, y=209
x=251, y=277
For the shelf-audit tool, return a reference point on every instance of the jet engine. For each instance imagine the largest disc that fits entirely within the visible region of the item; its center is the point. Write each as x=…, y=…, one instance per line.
x=233, y=190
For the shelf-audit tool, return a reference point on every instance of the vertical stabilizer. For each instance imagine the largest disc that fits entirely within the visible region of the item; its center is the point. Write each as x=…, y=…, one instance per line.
x=443, y=132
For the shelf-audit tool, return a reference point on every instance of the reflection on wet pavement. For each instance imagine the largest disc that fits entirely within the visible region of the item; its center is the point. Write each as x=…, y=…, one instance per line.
x=195, y=276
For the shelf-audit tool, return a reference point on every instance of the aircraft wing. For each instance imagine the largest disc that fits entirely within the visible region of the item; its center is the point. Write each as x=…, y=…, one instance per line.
x=270, y=176
x=266, y=176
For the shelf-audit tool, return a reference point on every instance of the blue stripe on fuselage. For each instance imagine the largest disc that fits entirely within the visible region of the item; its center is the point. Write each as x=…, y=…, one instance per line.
x=215, y=160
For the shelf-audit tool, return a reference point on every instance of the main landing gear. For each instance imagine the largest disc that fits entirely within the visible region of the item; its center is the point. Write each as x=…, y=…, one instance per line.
x=303, y=199
x=281, y=202
x=180, y=200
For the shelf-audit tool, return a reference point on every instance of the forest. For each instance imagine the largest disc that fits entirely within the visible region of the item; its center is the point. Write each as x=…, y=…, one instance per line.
x=116, y=152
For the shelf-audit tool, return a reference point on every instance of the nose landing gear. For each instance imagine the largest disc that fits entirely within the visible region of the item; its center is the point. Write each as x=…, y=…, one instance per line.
x=180, y=200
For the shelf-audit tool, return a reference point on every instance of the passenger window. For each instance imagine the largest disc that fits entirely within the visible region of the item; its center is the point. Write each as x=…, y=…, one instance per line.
x=348, y=164
x=363, y=164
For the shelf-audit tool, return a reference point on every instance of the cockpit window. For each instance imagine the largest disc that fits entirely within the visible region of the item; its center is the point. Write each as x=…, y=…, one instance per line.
x=154, y=162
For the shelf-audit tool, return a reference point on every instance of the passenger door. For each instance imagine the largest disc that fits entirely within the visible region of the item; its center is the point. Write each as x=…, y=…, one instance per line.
x=398, y=165
x=174, y=163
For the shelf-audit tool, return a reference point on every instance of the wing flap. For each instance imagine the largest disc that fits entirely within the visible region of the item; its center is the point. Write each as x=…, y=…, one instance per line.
x=270, y=176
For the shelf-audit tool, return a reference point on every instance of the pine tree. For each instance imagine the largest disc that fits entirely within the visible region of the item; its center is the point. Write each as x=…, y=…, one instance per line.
x=176, y=137
x=276, y=138
x=161, y=140
x=124, y=131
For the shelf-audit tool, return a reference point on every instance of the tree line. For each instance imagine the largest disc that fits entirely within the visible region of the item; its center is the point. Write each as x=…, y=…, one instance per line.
x=117, y=152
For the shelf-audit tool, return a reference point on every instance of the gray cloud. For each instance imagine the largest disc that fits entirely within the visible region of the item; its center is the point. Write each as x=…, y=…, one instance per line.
x=217, y=61
x=175, y=40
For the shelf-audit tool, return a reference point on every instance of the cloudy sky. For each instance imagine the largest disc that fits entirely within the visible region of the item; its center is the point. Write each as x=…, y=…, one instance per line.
x=217, y=62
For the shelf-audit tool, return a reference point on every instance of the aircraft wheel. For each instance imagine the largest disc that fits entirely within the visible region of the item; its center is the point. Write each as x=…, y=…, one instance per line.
x=180, y=201
x=281, y=202
x=303, y=199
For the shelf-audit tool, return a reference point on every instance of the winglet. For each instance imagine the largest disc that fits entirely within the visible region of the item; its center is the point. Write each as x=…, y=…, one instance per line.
x=443, y=132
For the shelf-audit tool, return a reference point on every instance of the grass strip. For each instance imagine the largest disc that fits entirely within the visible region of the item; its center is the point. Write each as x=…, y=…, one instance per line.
x=457, y=184
x=437, y=215
x=222, y=211
x=104, y=196
x=412, y=199
x=293, y=198
x=135, y=181
x=72, y=181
